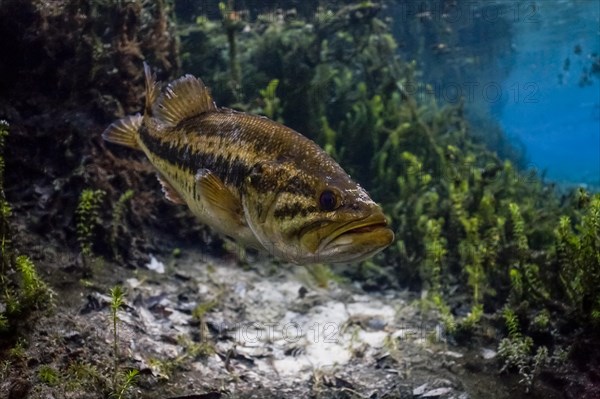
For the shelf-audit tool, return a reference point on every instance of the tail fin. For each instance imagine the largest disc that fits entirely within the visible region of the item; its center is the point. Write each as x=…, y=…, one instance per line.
x=124, y=131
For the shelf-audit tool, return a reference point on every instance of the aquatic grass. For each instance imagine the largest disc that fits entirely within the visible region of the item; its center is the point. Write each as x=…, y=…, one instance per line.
x=88, y=218
x=203, y=308
x=34, y=290
x=578, y=255
x=517, y=351
x=84, y=376
x=435, y=253
x=116, y=301
x=270, y=102
x=48, y=375
x=129, y=378
x=122, y=381
x=18, y=351
x=21, y=288
x=5, y=211
x=118, y=216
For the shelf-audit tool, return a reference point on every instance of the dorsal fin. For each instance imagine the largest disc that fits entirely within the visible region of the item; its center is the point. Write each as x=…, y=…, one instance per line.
x=151, y=92
x=182, y=99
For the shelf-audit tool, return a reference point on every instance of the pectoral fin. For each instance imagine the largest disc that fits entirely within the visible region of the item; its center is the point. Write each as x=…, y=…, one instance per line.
x=220, y=201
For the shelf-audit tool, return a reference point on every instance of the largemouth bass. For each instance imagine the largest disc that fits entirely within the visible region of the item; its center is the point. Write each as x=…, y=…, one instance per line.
x=252, y=179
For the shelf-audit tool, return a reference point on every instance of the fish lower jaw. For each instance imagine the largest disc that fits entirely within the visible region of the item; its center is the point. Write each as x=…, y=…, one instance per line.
x=358, y=244
x=350, y=232
x=365, y=229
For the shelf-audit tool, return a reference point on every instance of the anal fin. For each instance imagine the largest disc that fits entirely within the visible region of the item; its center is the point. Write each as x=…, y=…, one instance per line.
x=124, y=131
x=170, y=193
x=220, y=201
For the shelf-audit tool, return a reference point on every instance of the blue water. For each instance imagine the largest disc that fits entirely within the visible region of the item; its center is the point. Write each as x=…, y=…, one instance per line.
x=557, y=120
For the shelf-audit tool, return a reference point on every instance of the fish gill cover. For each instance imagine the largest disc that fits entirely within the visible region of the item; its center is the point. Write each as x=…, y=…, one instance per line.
x=502, y=257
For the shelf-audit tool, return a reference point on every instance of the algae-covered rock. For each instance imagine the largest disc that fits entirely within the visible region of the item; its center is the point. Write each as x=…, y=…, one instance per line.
x=71, y=67
x=81, y=50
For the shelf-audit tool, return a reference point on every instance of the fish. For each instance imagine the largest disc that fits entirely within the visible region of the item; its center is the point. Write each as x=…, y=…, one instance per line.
x=252, y=179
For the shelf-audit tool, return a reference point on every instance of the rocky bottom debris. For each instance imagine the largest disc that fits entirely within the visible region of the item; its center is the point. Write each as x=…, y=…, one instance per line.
x=208, y=328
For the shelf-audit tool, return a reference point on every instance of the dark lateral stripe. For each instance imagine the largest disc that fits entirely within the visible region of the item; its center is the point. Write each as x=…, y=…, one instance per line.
x=229, y=169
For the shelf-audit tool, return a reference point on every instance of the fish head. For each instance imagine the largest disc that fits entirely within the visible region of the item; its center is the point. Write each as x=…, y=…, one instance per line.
x=317, y=217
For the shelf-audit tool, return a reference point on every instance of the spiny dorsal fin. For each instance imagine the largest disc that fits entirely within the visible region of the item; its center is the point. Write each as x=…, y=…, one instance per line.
x=182, y=99
x=124, y=131
x=151, y=92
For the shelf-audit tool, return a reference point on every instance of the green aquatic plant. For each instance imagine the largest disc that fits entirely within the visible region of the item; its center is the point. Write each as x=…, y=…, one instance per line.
x=6, y=257
x=203, y=308
x=435, y=252
x=116, y=301
x=471, y=248
x=18, y=351
x=194, y=350
x=21, y=288
x=122, y=381
x=578, y=255
x=524, y=275
x=48, y=375
x=34, y=290
x=517, y=351
x=118, y=216
x=84, y=377
x=541, y=321
x=271, y=102
x=128, y=381
x=5, y=210
x=88, y=218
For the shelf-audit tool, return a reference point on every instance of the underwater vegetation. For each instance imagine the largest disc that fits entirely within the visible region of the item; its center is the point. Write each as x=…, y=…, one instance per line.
x=488, y=242
x=467, y=221
x=21, y=288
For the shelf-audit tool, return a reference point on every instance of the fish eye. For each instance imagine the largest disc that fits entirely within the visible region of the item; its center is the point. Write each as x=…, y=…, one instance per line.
x=328, y=201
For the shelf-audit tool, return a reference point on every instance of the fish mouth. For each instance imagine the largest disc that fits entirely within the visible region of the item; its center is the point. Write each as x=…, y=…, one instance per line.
x=372, y=231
